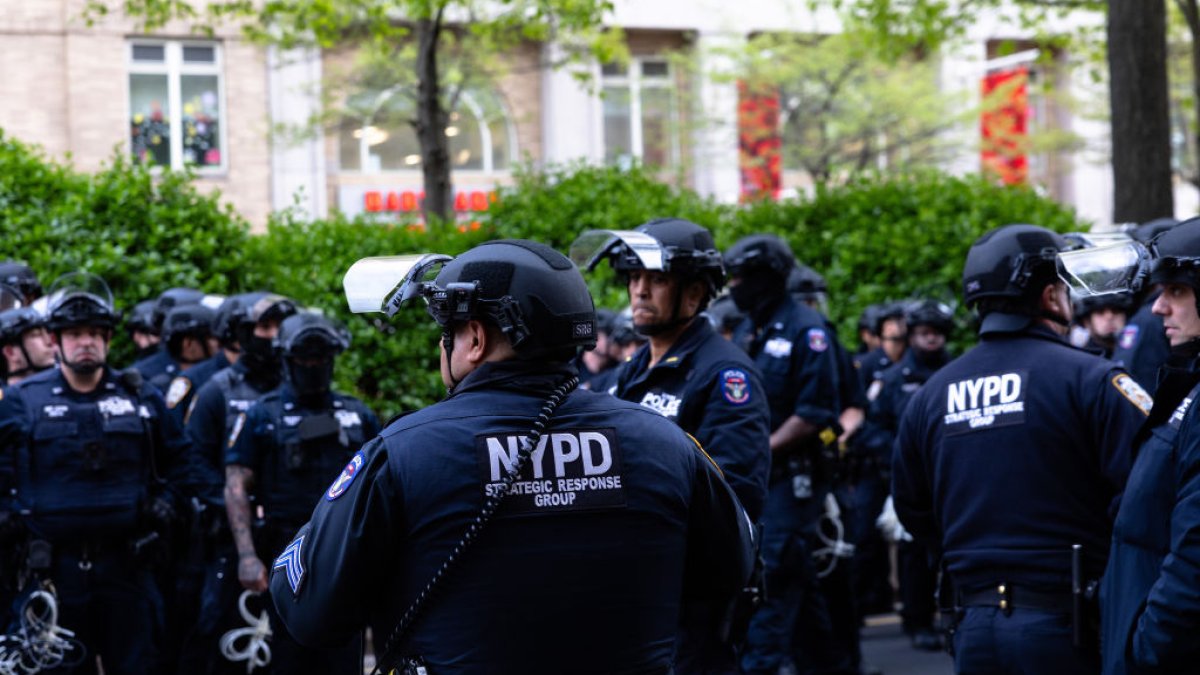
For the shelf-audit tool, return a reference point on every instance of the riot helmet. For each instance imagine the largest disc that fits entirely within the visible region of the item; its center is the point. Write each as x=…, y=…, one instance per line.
x=533, y=294
x=80, y=299
x=230, y=313
x=258, y=353
x=1012, y=263
x=15, y=324
x=1086, y=305
x=141, y=318
x=1147, y=231
x=308, y=343
x=869, y=319
x=937, y=315
x=171, y=298
x=762, y=263
x=188, y=320
x=724, y=315
x=19, y=276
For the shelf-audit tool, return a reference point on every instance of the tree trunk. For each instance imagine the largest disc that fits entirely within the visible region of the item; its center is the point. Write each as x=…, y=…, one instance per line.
x=1141, y=128
x=1191, y=13
x=431, y=124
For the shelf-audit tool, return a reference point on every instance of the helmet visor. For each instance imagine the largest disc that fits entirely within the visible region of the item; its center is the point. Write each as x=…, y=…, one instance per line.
x=80, y=284
x=594, y=245
x=1077, y=240
x=1103, y=270
x=384, y=284
x=10, y=298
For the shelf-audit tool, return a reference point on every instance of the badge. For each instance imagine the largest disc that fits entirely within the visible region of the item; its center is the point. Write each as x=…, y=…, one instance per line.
x=348, y=418
x=817, y=340
x=1133, y=391
x=179, y=388
x=346, y=478
x=874, y=389
x=735, y=386
x=290, y=562
x=1128, y=337
x=778, y=347
x=237, y=429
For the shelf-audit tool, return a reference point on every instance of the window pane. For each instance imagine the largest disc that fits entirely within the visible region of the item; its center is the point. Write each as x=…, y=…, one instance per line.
x=466, y=144
x=155, y=53
x=201, y=120
x=617, y=140
x=394, y=147
x=500, y=151
x=656, y=127
x=150, y=124
x=613, y=69
x=199, y=54
x=655, y=69
x=348, y=157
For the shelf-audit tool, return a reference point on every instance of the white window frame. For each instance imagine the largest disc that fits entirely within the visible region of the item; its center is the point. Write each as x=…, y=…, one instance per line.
x=633, y=80
x=173, y=66
x=468, y=106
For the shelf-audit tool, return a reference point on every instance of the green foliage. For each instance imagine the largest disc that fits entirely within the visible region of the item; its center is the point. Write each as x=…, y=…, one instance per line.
x=141, y=231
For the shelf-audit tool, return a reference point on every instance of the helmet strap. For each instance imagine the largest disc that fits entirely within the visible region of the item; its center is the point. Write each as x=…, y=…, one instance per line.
x=448, y=348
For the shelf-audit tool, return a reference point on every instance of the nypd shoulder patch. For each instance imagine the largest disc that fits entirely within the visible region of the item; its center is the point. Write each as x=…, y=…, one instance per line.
x=735, y=386
x=179, y=388
x=817, y=340
x=1129, y=337
x=346, y=478
x=1133, y=391
x=290, y=562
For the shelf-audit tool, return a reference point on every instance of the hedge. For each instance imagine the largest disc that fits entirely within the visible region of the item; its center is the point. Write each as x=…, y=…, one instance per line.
x=878, y=238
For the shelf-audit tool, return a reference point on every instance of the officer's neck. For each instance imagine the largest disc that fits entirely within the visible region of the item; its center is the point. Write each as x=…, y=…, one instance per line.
x=661, y=343
x=83, y=383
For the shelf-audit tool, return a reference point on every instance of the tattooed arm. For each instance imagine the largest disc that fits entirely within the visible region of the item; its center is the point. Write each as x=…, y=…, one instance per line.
x=251, y=572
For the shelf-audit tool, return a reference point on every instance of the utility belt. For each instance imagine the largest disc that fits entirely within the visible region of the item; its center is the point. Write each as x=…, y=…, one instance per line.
x=1007, y=597
x=143, y=550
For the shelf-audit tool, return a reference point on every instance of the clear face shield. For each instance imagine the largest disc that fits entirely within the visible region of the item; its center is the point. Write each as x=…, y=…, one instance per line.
x=10, y=298
x=385, y=284
x=636, y=249
x=79, y=284
x=1104, y=270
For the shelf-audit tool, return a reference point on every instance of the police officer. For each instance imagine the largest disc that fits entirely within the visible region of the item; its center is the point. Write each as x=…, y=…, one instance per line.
x=1143, y=347
x=19, y=276
x=210, y=420
x=724, y=315
x=930, y=324
x=595, y=365
x=1103, y=317
x=1148, y=597
x=27, y=345
x=692, y=376
x=182, y=390
x=142, y=331
x=100, y=466
x=612, y=519
x=284, y=450
x=791, y=347
x=1011, y=455
x=893, y=338
x=686, y=372
x=160, y=366
x=868, y=338
x=186, y=333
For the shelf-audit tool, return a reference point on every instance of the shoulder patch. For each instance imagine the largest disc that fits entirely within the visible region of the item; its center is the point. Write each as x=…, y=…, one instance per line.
x=818, y=341
x=1129, y=336
x=289, y=561
x=1133, y=391
x=346, y=478
x=238, y=424
x=179, y=388
x=735, y=386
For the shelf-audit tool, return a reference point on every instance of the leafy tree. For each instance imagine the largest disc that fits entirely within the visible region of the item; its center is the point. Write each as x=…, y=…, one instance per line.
x=428, y=50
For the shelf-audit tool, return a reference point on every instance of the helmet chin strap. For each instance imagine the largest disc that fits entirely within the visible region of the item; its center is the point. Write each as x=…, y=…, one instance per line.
x=448, y=348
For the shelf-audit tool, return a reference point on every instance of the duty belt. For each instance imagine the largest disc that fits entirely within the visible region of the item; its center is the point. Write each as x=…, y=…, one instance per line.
x=1007, y=597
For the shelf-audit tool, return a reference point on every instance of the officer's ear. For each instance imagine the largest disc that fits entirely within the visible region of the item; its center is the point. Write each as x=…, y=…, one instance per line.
x=693, y=295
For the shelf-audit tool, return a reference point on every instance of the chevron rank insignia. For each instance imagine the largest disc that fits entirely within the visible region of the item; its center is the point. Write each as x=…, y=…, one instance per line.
x=290, y=562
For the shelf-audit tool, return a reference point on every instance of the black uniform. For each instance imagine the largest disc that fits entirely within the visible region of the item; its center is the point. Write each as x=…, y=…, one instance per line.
x=1142, y=347
x=580, y=571
x=1006, y=458
x=182, y=390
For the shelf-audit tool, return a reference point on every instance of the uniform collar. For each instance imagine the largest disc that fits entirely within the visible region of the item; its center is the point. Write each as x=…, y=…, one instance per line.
x=108, y=384
x=999, y=324
x=689, y=341
x=515, y=374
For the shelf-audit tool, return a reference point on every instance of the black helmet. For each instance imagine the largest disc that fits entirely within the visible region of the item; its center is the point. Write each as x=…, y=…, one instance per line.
x=763, y=253
x=1150, y=229
x=534, y=294
x=171, y=298
x=684, y=249
x=869, y=319
x=937, y=315
x=80, y=299
x=192, y=320
x=888, y=312
x=724, y=314
x=1176, y=256
x=308, y=334
x=623, y=333
x=230, y=314
x=1013, y=261
x=15, y=322
x=803, y=281
x=1087, y=305
x=20, y=276
x=141, y=319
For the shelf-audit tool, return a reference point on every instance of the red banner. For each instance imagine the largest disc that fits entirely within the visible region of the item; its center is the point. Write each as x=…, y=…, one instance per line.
x=1004, y=125
x=759, y=143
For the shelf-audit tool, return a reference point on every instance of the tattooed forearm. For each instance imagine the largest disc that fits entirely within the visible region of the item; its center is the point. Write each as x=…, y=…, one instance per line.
x=238, y=480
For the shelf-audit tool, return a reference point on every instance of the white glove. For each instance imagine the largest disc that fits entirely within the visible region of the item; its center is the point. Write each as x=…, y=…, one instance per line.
x=889, y=523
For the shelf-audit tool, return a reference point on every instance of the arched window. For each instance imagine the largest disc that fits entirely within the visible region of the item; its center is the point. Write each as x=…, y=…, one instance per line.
x=375, y=135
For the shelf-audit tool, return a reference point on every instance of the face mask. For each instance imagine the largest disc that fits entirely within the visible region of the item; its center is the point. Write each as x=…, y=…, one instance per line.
x=312, y=380
x=754, y=294
x=260, y=359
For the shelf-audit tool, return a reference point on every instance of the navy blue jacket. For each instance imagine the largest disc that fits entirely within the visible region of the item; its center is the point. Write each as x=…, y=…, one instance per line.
x=795, y=355
x=1150, y=597
x=87, y=464
x=158, y=368
x=182, y=390
x=712, y=390
x=210, y=419
x=1014, y=452
x=1142, y=348
x=291, y=467
x=617, y=519
x=871, y=365
x=889, y=396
